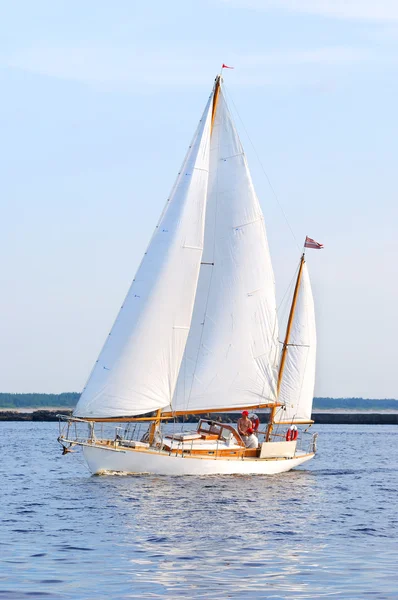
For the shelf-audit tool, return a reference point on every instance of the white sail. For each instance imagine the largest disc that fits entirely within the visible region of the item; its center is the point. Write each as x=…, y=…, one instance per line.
x=232, y=347
x=297, y=388
x=138, y=366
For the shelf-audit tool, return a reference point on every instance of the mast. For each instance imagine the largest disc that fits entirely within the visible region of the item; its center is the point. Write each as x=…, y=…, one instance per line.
x=285, y=346
x=216, y=95
x=155, y=426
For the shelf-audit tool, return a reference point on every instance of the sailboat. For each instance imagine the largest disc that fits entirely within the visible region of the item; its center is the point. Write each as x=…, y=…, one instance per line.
x=198, y=334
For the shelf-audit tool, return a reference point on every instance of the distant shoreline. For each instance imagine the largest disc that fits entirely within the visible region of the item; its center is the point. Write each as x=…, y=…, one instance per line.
x=68, y=400
x=321, y=418
x=31, y=409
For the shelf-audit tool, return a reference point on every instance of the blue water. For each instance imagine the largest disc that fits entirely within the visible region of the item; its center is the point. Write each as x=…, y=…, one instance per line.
x=326, y=530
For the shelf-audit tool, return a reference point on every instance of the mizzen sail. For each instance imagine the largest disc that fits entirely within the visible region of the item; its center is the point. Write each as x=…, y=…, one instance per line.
x=138, y=366
x=297, y=386
x=231, y=352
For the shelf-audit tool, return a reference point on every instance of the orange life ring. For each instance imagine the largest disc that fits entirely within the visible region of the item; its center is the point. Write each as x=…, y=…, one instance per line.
x=255, y=424
x=291, y=435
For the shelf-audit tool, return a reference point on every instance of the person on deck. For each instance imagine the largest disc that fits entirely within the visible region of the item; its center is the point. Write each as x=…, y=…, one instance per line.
x=244, y=424
x=251, y=440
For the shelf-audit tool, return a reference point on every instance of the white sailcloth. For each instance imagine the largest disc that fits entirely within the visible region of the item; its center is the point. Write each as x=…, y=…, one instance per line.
x=138, y=366
x=298, y=381
x=232, y=347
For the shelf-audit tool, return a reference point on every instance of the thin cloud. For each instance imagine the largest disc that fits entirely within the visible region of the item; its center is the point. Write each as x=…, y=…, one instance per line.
x=369, y=10
x=122, y=67
x=328, y=55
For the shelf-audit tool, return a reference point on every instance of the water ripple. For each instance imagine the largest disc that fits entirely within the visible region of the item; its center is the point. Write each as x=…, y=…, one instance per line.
x=326, y=530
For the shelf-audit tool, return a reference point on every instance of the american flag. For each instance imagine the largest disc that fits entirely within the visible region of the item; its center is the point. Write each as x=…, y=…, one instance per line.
x=310, y=243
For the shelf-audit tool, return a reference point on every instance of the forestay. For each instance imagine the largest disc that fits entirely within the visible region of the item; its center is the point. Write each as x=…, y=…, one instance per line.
x=137, y=369
x=232, y=347
x=297, y=388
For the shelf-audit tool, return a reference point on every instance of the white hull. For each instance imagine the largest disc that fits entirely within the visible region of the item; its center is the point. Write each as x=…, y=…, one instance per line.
x=101, y=460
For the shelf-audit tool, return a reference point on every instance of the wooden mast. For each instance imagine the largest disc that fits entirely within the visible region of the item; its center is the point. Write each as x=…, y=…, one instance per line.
x=285, y=346
x=216, y=95
x=155, y=426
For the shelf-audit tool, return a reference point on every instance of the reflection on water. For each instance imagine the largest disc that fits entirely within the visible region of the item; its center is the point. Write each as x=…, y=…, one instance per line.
x=325, y=530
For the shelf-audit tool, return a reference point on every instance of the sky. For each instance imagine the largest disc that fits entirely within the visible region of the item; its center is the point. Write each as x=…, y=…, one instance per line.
x=99, y=102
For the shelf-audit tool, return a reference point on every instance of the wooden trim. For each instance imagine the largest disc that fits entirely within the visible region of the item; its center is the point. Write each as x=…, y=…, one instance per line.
x=225, y=452
x=251, y=452
x=166, y=416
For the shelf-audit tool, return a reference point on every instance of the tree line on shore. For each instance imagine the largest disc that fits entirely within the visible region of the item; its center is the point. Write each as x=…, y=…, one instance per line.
x=69, y=400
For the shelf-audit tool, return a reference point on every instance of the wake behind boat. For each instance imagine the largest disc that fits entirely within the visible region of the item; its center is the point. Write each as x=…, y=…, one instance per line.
x=198, y=333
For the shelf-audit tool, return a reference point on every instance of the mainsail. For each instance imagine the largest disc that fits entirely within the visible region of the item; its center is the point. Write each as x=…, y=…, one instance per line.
x=297, y=387
x=138, y=366
x=232, y=347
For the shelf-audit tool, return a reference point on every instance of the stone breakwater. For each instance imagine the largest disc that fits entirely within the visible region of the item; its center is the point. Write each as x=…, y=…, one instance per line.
x=358, y=418
x=36, y=415
x=324, y=418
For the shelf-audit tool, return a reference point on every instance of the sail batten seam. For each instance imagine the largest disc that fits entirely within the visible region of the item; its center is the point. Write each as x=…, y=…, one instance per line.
x=225, y=158
x=236, y=227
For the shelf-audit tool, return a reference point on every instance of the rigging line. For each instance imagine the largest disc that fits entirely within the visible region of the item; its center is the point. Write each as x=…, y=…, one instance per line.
x=288, y=289
x=262, y=167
